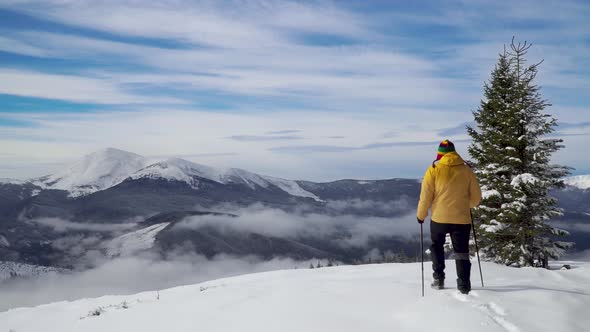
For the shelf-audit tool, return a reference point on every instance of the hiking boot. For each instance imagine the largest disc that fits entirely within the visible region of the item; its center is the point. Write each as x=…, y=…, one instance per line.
x=464, y=286
x=438, y=284
x=464, y=290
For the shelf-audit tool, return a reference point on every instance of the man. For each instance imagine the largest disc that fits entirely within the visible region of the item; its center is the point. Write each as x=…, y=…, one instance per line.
x=450, y=189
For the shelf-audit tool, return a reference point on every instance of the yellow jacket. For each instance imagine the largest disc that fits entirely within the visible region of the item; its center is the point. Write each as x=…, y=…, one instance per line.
x=451, y=189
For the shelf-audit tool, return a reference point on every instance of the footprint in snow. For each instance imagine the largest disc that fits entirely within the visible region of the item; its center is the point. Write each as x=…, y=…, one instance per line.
x=461, y=297
x=497, y=309
x=494, y=311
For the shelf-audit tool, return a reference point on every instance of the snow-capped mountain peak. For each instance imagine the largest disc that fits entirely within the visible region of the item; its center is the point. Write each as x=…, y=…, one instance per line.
x=579, y=181
x=109, y=167
x=97, y=171
x=176, y=169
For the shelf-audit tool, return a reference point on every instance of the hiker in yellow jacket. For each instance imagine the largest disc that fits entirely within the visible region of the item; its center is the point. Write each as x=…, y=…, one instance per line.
x=450, y=189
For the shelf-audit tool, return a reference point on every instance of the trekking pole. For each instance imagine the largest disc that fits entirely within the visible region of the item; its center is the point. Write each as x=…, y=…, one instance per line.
x=476, y=247
x=422, y=251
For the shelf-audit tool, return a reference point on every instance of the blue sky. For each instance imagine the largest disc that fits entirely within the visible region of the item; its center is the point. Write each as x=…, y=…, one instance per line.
x=316, y=90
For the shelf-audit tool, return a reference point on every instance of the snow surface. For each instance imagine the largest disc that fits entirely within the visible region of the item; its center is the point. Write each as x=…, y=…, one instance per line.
x=525, y=178
x=347, y=298
x=10, y=269
x=493, y=227
x=579, y=181
x=490, y=193
x=241, y=176
x=177, y=170
x=130, y=243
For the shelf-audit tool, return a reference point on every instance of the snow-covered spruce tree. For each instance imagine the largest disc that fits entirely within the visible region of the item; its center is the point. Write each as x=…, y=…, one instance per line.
x=512, y=156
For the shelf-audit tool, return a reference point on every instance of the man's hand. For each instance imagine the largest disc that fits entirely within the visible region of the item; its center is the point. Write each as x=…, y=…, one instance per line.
x=420, y=221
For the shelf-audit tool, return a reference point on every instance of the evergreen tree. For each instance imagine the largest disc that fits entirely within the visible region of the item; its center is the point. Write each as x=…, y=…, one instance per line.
x=512, y=155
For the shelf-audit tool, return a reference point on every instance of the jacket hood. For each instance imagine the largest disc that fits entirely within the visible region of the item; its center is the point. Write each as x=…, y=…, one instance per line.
x=452, y=159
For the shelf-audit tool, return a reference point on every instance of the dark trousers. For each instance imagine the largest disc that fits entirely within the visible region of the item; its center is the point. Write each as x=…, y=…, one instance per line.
x=460, y=240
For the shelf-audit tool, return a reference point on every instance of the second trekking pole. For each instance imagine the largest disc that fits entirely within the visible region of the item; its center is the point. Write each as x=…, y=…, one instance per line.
x=422, y=251
x=476, y=248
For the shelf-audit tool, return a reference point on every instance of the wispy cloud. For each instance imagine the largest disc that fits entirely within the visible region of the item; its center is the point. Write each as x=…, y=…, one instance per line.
x=219, y=24
x=332, y=70
x=338, y=148
x=14, y=45
x=560, y=134
x=567, y=125
x=196, y=155
x=71, y=88
x=254, y=138
x=353, y=231
x=201, y=136
x=61, y=225
x=282, y=132
x=458, y=130
x=222, y=60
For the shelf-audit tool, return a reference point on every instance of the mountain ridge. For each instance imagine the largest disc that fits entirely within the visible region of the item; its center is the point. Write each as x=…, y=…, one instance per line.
x=109, y=167
x=106, y=168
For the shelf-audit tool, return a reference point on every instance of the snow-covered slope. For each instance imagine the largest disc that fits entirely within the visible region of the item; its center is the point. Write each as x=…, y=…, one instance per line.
x=178, y=170
x=97, y=171
x=12, y=269
x=291, y=187
x=4, y=242
x=185, y=171
x=131, y=243
x=579, y=181
x=347, y=298
x=236, y=175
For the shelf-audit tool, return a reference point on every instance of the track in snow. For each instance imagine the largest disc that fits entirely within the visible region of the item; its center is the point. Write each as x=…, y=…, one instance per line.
x=494, y=311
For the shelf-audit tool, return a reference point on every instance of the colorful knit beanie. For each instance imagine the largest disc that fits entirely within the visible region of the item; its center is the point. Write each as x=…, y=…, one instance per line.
x=445, y=147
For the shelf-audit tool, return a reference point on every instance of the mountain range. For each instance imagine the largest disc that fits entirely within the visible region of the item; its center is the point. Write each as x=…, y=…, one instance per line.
x=128, y=203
